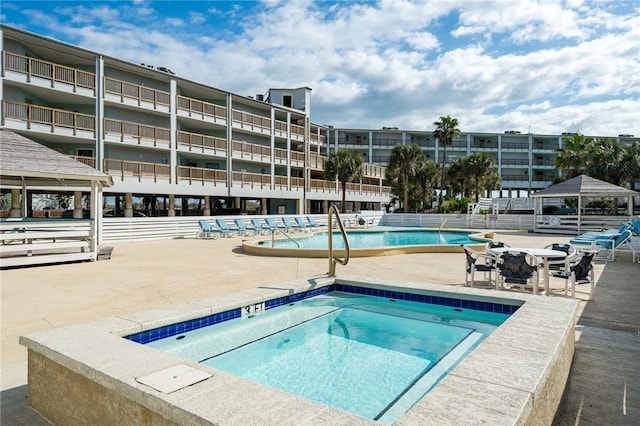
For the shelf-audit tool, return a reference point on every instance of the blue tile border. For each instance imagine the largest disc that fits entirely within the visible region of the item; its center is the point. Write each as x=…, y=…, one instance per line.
x=184, y=326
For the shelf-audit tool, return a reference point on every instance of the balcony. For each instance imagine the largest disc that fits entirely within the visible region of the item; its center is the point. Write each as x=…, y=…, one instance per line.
x=198, y=142
x=138, y=95
x=202, y=175
x=316, y=161
x=297, y=157
x=370, y=170
x=52, y=118
x=138, y=169
x=281, y=183
x=315, y=138
x=297, y=132
x=253, y=122
x=124, y=130
x=251, y=151
x=50, y=71
x=206, y=111
x=251, y=180
x=518, y=162
x=515, y=146
x=87, y=161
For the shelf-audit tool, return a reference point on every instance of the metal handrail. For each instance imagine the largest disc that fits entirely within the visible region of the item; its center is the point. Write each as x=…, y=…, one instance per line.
x=273, y=233
x=442, y=226
x=333, y=260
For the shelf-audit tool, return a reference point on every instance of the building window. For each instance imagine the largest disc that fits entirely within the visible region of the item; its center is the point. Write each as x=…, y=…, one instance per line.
x=286, y=100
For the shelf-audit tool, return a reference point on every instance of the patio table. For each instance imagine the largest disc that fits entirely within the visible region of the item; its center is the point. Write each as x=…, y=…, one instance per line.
x=544, y=254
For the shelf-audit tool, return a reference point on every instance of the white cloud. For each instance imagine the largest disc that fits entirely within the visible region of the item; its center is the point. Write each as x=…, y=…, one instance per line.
x=554, y=65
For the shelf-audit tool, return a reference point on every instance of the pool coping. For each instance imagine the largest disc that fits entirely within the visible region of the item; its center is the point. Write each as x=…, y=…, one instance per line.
x=253, y=246
x=529, y=355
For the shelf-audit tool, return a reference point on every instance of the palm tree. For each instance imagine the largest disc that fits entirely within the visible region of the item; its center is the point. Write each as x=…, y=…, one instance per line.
x=344, y=165
x=446, y=131
x=404, y=161
x=575, y=154
x=483, y=172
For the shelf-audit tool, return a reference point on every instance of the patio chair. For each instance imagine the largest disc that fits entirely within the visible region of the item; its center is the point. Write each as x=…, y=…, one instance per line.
x=290, y=226
x=478, y=262
x=313, y=223
x=272, y=225
x=495, y=244
x=560, y=263
x=206, y=230
x=242, y=227
x=608, y=243
x=258, y=228
x=580, y=272
x=518, y=269
x=300, y=222
x=225, y=229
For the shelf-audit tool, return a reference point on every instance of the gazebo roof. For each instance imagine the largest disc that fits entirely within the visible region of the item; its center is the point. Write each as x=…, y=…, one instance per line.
x=23, y=160
x=584, y=186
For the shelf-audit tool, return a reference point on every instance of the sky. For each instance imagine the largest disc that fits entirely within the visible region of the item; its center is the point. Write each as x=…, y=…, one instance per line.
x=527, y=65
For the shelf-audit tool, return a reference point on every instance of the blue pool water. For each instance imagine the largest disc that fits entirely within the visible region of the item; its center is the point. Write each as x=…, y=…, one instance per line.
x=371, y=356
x=368, y=239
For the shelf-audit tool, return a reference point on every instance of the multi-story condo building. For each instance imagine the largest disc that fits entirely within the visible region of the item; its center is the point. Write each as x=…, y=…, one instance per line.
x=172, y=146
x=178, y=147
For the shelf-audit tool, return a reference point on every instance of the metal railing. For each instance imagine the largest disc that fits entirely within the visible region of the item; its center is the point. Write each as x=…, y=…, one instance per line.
x=333, y=260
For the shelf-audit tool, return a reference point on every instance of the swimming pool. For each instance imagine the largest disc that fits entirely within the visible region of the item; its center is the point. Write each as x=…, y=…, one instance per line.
x=517, y=375
x=372, y=356
x=367, y=243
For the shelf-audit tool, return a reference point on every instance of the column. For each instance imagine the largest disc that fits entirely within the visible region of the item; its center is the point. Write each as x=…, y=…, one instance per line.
x=263, y=206
x=77, y=205
x=172, y=208
x=128, y=204
x=237, y=203
x=325, y=206
x=15, y=211
x=207, y=206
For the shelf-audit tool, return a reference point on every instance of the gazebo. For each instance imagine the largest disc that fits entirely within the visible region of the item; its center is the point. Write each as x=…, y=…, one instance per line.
x=581, y=187
x=25, y=164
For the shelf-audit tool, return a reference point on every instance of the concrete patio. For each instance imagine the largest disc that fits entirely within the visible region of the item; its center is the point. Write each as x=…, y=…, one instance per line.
x=604, y=385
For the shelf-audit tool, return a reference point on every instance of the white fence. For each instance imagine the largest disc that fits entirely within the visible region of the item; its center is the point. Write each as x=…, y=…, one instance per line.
x=148, y=228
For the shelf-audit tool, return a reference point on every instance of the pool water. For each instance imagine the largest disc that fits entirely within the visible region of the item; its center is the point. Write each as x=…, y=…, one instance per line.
x=367, y=355
x=367, y=239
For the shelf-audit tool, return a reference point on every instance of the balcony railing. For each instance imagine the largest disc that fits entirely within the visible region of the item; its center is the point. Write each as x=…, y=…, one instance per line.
x=252, y=151
x=196, y=140
x=201, y=108
x=159, y=135
x=251, y=180
x=371, y=170
x=322, y=185
x=317, y=138
x=297, y=130
x=56, y=118
x=139, y=169
x=514, y=162
x=201, y=175
x=297, y=182
x=316, y=161
x=246, y=120
x=88, y=161
x=124, y=89
x=516, y=146
x=49, y=71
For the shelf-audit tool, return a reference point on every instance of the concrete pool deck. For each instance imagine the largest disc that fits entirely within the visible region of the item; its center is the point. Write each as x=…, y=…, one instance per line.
x=604, y=384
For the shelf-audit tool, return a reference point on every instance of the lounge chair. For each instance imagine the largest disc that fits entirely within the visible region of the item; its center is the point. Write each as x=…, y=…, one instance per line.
x=313, y=223
x=580, y=272
x=479, y=262
x=257, y=226
x=609, y=243
x=243, y=228
x=300, y=223
x=225, y=229
x=518, y=269
x=206, y=230
x=272, y=225
x=288, y=225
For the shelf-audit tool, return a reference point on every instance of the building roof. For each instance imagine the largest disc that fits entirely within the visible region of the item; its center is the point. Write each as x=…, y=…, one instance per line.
x=584, y=186
x=22, y=159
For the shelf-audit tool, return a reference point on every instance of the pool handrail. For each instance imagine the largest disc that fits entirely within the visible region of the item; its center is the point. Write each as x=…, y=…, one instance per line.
x=334, y=260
